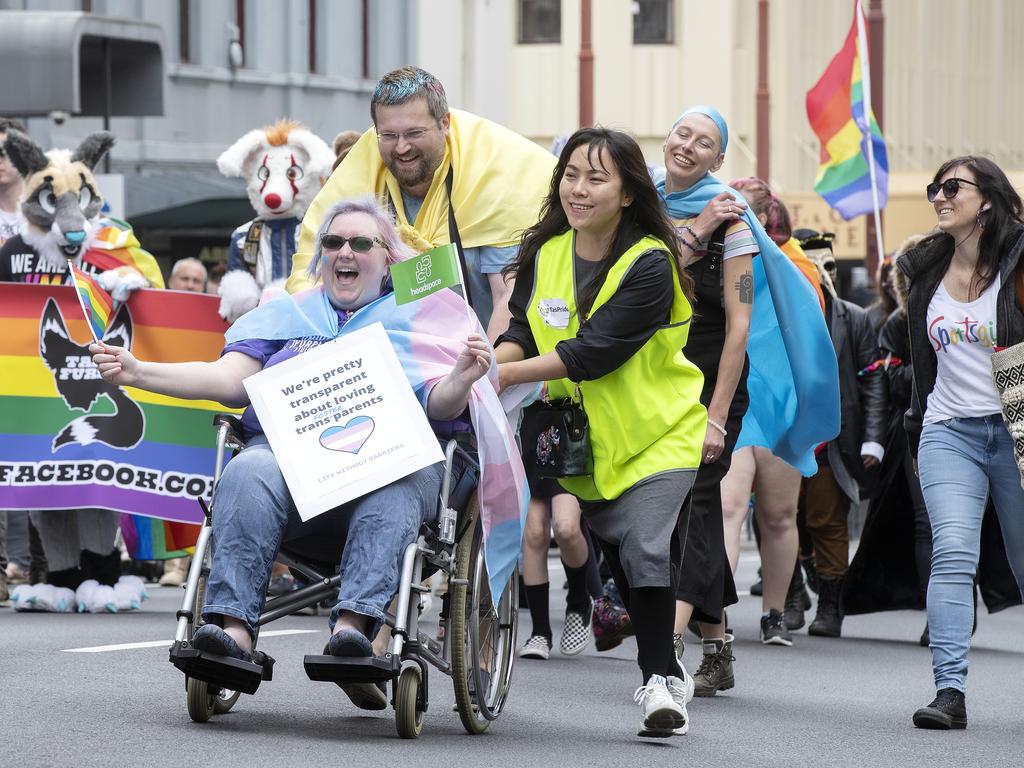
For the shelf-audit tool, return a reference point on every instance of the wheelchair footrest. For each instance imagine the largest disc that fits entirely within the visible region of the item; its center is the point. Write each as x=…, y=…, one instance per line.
x=223, y=671
x=358, y=669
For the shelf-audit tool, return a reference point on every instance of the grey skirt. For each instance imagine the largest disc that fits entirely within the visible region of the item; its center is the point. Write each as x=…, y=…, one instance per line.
x=642, y=524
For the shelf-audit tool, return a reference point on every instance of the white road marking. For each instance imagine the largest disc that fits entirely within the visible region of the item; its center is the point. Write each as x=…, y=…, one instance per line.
x=167, y=643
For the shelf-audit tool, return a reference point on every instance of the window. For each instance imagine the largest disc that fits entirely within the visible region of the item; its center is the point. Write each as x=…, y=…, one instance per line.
x=240, y=23
x=652, y=21
x=312, y=21
x=540, y=21
x=184, y=31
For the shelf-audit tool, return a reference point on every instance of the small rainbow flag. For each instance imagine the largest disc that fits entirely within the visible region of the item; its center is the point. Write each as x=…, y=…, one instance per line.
x=95, y=302
x=839, y=110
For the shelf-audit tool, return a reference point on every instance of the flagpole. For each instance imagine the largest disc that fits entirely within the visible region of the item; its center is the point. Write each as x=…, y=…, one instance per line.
x=470, y=314
x=85, y=312
x=865, y=77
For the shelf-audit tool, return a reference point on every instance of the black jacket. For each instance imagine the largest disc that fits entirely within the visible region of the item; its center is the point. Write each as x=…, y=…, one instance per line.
x=863, y=399
x=913, y=267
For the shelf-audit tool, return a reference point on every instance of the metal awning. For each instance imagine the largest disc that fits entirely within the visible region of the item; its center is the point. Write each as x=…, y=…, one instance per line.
x=80, y=63
x=185, y=200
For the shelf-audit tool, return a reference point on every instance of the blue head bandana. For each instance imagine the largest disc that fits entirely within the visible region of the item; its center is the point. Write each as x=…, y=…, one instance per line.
x=716, y=118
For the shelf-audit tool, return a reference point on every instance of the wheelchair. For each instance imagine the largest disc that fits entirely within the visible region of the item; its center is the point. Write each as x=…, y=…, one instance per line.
x=476, y=634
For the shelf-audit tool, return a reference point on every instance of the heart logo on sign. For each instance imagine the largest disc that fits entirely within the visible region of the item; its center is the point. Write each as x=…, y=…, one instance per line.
x=349, y=438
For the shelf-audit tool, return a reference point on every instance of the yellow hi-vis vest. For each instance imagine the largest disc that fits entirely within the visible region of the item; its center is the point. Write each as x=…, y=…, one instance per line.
x=645, y=416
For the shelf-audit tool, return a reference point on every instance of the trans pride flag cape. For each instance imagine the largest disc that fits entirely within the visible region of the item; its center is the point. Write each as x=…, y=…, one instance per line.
x=794, y=377
x=427, y=336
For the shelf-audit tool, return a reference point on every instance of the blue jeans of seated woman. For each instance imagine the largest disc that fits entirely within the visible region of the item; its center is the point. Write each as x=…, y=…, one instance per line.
x=961, y=463
x=254, y=515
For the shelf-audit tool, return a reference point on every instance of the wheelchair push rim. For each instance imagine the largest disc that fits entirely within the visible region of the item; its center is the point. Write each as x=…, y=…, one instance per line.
x=483, y=637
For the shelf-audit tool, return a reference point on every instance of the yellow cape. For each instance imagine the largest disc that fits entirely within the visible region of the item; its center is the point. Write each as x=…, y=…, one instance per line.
x=499, y=184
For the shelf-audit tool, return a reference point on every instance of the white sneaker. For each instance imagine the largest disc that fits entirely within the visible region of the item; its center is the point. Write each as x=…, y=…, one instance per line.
x=662, y=715
x=537, y=647
x=681, y=690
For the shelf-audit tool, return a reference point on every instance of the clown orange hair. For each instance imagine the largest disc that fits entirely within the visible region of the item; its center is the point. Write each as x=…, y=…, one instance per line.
x=277, y=134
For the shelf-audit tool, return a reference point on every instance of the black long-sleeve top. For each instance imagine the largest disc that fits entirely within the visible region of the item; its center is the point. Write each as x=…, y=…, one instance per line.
x=615, y=331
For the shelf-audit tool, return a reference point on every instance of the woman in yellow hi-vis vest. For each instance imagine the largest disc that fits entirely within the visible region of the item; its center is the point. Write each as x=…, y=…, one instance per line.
x=601, y=313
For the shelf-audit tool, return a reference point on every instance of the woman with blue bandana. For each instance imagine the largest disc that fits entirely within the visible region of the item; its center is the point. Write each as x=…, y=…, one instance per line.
x=718, y=247
x=720, y=239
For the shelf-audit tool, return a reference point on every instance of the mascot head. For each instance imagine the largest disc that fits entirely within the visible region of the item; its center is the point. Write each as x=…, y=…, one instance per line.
x=61, y=199
x=283, y=166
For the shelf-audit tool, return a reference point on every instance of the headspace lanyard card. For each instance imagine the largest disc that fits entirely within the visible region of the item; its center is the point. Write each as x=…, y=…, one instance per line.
x=342, y=420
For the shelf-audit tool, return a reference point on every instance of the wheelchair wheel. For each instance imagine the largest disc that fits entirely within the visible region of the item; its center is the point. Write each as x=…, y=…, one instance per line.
x=483, y=636
x=408, y=711
x=200, y=702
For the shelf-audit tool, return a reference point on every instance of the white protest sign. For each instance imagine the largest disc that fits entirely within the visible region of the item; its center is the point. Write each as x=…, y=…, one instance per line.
x=342, y=420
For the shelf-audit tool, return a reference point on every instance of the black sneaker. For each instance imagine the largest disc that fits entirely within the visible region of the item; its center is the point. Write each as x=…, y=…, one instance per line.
x=773, y=629
x=947, y=712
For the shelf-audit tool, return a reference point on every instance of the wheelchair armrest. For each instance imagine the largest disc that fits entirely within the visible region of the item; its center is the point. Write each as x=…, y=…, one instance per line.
x=236, y=434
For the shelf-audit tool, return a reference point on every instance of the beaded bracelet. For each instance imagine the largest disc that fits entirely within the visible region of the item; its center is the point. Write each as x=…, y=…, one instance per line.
x=689, y=229
x=685, y=242
x=718, y=426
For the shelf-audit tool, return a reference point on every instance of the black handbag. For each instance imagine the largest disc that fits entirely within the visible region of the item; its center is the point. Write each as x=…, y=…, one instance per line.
x=555, y=436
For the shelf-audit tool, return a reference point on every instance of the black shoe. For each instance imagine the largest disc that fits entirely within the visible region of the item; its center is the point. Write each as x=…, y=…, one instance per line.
x=774, y=631
x=212, y=639
x=715, y=672
x=757, y=588
x=828, y=622
x=925, y=640
x=947, y=712
x=797, y=601
x=810, y=572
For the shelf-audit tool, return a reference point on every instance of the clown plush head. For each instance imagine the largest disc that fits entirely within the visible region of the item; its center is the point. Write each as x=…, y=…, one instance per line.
x=282, y=165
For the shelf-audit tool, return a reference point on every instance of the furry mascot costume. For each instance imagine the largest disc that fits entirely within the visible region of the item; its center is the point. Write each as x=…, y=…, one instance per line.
x=284, y=166
x=61, y=223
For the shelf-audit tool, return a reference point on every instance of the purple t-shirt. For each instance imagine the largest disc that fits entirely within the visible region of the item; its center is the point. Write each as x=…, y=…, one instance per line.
x=273, y=351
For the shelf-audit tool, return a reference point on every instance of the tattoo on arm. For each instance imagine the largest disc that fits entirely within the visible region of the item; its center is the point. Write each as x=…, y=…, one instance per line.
x=745, y=287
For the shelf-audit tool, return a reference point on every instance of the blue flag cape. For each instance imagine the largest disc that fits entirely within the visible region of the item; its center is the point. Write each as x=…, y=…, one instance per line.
x=794, y=377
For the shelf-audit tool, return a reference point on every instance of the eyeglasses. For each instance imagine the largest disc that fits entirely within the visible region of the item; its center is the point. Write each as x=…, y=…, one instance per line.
x=949, y=188
x=359, y=243
x=410, y=137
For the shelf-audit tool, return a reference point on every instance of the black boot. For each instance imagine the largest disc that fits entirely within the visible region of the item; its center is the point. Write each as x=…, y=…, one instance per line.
x=828, y=622
x=810, y=571
x=797, y=601
x=947, y=711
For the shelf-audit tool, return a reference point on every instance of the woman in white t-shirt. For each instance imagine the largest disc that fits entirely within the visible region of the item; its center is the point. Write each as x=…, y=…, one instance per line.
x=961, y=307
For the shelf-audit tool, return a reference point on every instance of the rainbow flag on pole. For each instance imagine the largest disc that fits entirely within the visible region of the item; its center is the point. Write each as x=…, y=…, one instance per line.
x=853, y=177
x=94, y=301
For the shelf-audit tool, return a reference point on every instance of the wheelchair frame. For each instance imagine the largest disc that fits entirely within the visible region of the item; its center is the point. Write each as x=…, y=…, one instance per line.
x=479, y=636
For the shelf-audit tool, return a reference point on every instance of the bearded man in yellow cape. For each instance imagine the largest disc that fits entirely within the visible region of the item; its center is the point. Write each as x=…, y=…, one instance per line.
x=424, y=162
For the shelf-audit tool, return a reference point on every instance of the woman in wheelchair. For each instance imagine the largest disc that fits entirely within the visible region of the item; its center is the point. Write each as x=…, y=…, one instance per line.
x=254, y=512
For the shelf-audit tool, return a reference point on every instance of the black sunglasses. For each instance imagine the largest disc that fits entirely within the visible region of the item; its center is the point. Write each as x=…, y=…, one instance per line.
x=359, y=243
x=949, y=188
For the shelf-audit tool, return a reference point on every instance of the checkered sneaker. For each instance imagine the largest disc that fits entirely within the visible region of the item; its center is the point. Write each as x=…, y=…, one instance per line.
x=576, y=633
x=1008, y=376
x=537, y=647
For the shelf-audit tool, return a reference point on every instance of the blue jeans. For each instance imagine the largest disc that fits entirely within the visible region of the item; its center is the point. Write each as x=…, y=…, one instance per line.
x=961, y=463
x=254, y=515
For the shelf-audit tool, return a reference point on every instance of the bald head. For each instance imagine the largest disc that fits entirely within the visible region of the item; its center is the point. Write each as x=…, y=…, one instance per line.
x=188, y=275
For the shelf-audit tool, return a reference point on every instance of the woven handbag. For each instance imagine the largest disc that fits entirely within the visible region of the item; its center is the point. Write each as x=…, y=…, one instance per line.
x=1008, y=376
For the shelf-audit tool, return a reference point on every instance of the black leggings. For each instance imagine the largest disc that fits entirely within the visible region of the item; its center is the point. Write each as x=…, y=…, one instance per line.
x=652, y=611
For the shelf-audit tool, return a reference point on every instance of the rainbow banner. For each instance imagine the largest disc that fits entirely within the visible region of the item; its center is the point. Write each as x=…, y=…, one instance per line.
x=839, y=110
x=69, y=439
x=95, y=302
